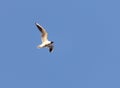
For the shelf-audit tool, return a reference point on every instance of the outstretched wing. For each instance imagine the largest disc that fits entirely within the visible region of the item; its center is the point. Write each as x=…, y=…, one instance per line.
x=51, y=48
x=43, y=31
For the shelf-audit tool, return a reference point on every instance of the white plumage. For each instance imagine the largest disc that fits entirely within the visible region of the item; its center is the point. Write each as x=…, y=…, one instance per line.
x=44, y=38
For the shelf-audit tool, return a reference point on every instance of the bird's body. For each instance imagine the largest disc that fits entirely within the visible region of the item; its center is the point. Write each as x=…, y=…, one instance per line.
x=44, y=38
x=44, y=44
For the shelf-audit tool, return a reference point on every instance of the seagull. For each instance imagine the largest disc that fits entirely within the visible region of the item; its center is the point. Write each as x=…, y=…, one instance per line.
x=44, y=38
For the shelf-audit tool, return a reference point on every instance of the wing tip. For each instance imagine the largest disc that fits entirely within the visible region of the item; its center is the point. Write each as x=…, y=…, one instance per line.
x=36, y=23
x=51, y=49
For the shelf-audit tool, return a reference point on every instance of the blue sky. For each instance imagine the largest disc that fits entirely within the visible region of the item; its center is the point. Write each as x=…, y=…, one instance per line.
x=86, y=36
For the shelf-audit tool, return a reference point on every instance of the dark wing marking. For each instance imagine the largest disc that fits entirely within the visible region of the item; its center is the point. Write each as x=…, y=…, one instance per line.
x=51, y=48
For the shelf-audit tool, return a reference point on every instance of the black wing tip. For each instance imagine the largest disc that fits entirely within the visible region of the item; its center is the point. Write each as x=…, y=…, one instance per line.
x=51, y=49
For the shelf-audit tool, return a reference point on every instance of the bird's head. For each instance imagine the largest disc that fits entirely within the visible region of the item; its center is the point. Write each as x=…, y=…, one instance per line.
x=52, y=42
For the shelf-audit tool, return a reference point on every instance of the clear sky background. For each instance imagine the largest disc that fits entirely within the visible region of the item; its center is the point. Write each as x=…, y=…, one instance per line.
x=86, y=35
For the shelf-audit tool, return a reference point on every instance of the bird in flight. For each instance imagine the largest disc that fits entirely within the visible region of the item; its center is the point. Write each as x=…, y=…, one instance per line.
x=44, y=38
